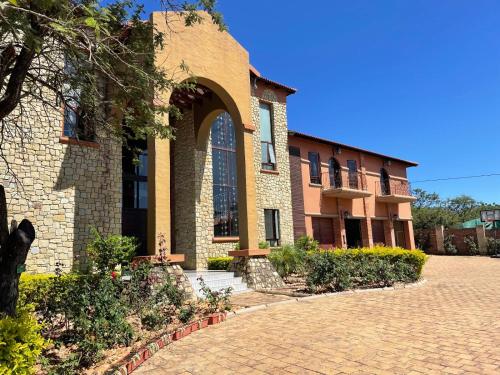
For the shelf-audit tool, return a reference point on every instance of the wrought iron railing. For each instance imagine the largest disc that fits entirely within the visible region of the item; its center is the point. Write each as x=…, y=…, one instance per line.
x=343, y=179
x=393, y=187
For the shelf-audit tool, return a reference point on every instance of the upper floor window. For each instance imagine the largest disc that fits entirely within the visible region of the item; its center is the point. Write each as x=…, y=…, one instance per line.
x=225, y=182
x=77, y=122
x=334, y=173
x=266, y=137
x=384, y=182
x=314, y=167
x=352, y=166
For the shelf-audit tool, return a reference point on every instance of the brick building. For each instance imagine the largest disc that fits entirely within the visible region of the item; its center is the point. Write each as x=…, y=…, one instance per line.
x=344, y=196
x=221, y=187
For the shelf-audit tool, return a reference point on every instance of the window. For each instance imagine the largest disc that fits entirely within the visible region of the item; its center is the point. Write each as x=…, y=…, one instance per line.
x=314, y=167
x=352, y=165
x=135, y=182
x=272, y=224
x=266, y=137
x=77, y=123
x=225, y=187
x=385, y=188
x=334, y=173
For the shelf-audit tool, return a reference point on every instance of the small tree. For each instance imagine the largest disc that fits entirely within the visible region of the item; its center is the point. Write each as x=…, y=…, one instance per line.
x=92, y=59
x=14, y=246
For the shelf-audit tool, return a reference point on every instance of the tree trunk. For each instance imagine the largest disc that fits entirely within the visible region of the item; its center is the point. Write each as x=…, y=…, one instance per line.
x=13, y=253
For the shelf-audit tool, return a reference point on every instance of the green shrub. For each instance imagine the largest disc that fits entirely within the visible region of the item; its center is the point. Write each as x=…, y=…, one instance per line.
x=287, y=260
x=306, y=243
x=20, y=343
x=35, y=290
x=380, y=266
x=217, y=301
x=186, y=313
x=263, y=245
x=472, y=245
x=492, y=245
x=220, y=263
x=108, y=252
x=449, y=246
x=96, y=316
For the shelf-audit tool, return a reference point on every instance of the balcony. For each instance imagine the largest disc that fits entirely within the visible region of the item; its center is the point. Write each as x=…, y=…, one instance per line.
x=344, y=184
x=394, y=191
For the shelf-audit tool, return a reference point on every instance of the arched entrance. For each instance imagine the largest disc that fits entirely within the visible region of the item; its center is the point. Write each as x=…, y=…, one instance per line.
x=212, y=181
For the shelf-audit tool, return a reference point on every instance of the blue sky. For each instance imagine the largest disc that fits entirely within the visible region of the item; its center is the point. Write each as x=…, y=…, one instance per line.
x=419, y=80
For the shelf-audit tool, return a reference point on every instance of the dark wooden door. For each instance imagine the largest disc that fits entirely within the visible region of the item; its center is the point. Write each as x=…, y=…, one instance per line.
x=323, y=231
x=378, y=232
x=353, y=233
x=399, y=233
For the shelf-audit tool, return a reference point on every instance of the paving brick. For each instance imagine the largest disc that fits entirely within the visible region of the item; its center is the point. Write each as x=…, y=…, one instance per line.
x=449, y=325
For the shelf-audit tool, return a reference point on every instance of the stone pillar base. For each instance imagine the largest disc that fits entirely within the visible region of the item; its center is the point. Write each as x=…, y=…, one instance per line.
x=257, y=272
x=162, y=270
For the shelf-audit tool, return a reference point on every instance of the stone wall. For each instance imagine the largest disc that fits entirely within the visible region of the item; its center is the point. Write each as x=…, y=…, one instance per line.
x=193, y=205
x=63, y=189
x=257, y=272
x=273, y=190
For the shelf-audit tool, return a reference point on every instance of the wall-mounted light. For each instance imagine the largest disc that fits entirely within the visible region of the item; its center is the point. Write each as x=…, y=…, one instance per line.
x=338, y=150
x=395, y=217
x=346, y=214
x=387, y=163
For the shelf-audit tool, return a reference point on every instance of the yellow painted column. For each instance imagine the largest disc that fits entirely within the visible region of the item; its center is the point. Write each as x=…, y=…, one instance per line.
x=246, y=192
x=158, y=194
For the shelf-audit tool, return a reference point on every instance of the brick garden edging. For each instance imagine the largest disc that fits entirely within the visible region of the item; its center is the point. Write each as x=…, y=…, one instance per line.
x=147, y=351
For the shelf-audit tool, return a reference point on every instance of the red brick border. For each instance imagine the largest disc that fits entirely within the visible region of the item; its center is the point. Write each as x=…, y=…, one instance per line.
x=146, y=352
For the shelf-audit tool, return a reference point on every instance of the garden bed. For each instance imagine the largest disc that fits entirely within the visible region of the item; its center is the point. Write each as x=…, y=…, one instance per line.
x=307, y=269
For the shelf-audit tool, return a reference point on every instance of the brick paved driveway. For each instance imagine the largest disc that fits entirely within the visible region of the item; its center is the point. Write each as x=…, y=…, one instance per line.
x=451, y=324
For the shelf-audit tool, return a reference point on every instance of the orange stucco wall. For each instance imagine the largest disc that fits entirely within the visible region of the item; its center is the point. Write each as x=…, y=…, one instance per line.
x=316, y=204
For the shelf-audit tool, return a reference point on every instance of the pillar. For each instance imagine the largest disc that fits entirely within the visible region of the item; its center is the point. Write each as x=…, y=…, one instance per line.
x=366, y=232
x=339, y=233
x=409, y=236
x=482, y=242
x=390, y=237
x=158, y=194
x=439, y=234
x=247, y=206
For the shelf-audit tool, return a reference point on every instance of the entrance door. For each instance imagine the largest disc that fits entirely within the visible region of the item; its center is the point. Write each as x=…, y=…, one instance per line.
x=399, y=233
x=378, y=233
x=353, y=233
x=323, y=231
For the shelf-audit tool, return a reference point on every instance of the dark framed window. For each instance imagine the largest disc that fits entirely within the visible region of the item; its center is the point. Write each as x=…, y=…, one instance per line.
x=225, y=181
x=135, y=181
x=266, y=137
x=385, y=187
x=77, y=123
x=352, y=166
x=334, y=173
x=272, y=224
x=314, y=167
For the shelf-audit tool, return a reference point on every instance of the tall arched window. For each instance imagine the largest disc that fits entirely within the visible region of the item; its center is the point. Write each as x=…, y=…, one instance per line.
x=334, y=173
x=225, y=182
x=385, y=187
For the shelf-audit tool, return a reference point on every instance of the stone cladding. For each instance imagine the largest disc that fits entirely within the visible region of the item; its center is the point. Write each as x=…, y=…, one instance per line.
x=62, y=188
x=273, y=190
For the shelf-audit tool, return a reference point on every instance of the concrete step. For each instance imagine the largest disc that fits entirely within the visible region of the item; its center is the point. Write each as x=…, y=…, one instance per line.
x=216, y=280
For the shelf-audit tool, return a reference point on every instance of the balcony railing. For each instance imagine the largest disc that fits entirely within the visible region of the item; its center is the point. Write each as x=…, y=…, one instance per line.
x=394, y=191
x=344, y=184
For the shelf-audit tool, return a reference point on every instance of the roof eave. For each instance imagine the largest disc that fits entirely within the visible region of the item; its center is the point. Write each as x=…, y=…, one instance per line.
x=333, y=143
